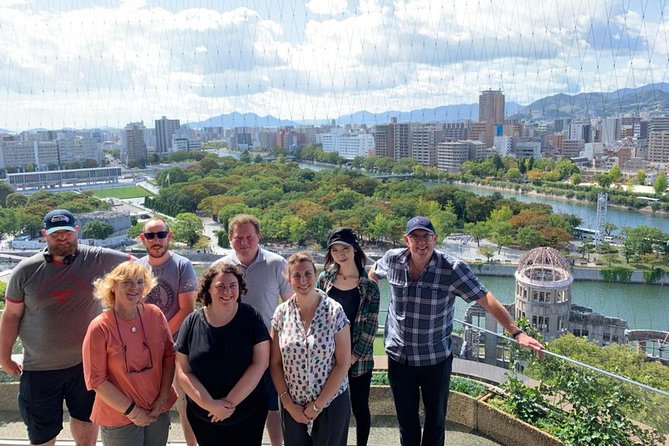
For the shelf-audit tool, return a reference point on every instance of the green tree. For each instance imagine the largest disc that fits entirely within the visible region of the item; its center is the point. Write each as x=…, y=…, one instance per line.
x=576, y=179
x=660, y=184
x=188, y=228
x=644, y=240
x=478, y=231
x=502, y=234
x=529, y=238
x=16, y=200
x=603, y=179
x=245, y=157
x=641, y=177
x=5, y=190
x=10, y=223
x=615, y=173
x=487, y=251
x=97, y=229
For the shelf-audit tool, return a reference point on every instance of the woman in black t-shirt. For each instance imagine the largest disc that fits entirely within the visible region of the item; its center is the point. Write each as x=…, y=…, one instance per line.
x=222, y=353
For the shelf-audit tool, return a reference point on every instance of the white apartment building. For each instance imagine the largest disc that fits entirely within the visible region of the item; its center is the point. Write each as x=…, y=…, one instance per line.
x=451, y=154
x=347, y=146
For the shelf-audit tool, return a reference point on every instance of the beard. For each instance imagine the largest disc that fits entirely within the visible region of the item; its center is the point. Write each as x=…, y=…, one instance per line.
x=58, y=250
x=157, y=253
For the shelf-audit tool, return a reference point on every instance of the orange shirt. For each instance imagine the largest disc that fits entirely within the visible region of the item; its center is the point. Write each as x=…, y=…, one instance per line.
x=104, y=360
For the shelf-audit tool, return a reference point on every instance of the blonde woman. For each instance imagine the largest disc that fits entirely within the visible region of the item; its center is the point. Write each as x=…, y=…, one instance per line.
x=128, y=359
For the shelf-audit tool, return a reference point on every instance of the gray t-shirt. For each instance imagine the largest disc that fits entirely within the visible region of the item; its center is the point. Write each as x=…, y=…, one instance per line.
x=59, y=305
x=175, y=276
x=265, y=280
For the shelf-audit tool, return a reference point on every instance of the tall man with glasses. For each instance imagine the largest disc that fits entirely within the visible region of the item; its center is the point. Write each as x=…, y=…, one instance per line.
x=48, y=304
x=265, y=277
x=174, y=294
x=423, y=285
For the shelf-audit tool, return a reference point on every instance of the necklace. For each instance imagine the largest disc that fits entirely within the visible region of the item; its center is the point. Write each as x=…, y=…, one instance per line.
x=350, y=276
x=133, y=328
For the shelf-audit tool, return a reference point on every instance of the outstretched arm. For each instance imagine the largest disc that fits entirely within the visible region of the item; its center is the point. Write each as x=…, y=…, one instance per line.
x=494, y=307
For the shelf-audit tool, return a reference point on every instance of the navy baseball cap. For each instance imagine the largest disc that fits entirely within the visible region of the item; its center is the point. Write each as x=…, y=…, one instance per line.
x=58, y=220
x=419, y=223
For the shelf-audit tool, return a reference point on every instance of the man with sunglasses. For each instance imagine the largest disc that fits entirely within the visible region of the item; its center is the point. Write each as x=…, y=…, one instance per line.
x=174, y=294
x=423, y=285
x=49, y=304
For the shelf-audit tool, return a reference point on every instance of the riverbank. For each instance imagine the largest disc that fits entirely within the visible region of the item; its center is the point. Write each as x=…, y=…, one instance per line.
x=579, y=273
x=644, y=210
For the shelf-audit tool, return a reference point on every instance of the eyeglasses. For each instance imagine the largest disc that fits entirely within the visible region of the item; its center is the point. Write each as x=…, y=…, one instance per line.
x=152, y=235
x=125, y=347
x=421, y=238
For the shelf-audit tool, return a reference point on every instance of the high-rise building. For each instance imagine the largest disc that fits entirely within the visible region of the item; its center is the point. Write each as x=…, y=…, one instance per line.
x=165, y=128
x=133, y=142
x=402, y=141
x=425, y=138
x=491, y=106
x=658, y=140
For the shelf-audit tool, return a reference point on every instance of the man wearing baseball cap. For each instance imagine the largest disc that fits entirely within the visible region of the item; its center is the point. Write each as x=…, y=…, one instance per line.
x=423, y=285
x=48, y=304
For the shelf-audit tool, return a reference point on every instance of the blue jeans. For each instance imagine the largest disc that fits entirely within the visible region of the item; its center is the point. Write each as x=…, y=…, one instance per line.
x=408, y=383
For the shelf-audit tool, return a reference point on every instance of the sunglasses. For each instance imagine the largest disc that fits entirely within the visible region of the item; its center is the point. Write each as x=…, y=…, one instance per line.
x=152, y=235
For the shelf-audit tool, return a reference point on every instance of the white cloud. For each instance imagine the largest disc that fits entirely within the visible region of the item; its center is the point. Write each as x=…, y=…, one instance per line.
x=97, y=65
x=327, y=7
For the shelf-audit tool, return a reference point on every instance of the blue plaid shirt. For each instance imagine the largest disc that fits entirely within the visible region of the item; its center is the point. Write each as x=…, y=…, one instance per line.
x=420, y=317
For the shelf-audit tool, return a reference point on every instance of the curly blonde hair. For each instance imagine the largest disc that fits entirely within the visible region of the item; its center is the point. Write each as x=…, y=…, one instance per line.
x=131, y=269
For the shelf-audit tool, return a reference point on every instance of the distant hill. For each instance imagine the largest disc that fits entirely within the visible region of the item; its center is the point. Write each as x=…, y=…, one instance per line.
x=649, y=98
x=236, y=119
x=444, y=113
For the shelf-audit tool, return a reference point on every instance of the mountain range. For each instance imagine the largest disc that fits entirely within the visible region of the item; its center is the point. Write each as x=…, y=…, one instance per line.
x=649, y=98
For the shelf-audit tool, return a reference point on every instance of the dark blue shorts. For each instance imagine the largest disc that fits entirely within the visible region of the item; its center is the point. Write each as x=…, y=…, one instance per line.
x=41, y=395
x=270, y=392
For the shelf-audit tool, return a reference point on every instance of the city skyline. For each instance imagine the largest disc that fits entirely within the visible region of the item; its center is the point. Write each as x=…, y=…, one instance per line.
x=86, y=64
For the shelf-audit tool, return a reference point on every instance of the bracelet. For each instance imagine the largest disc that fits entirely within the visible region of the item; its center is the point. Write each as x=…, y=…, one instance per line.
x=315, y=407
x=129, y=409
x=516, y=333
x=282, y=394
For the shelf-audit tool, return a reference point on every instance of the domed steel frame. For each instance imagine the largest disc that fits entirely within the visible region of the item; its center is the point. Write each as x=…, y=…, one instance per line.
x=543, y=291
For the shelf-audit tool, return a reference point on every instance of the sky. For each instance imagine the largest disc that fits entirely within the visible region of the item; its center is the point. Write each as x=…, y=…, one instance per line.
x=95, y=63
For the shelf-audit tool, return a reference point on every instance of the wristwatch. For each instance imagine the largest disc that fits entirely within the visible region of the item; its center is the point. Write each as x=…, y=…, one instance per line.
x=515, y=334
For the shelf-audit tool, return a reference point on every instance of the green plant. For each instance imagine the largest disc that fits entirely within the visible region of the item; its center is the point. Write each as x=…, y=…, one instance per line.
x=467, y=386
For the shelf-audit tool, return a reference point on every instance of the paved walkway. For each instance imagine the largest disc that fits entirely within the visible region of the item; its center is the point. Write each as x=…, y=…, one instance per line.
x=384, y=433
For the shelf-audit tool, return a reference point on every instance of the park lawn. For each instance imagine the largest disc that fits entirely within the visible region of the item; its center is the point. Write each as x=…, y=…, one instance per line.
x=122, y=192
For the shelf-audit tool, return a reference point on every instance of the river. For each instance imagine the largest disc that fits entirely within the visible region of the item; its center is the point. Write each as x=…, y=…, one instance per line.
x=642, y=306
x=587, y=212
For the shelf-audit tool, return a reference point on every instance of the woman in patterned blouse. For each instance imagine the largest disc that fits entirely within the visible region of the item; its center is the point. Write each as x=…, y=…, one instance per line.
x=345, y=280
x=309, y=361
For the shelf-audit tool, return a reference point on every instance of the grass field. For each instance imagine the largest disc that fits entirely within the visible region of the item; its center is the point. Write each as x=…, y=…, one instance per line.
x=122, y=192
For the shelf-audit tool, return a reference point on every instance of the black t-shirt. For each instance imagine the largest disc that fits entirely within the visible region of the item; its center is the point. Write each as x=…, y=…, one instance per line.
x=219, y=356
x=350, y=302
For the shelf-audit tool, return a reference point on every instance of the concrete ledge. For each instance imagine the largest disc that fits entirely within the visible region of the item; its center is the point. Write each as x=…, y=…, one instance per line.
x=477, y=415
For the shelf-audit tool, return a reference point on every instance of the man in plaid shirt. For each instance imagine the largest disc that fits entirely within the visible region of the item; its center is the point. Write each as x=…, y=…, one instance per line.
x=423, y=285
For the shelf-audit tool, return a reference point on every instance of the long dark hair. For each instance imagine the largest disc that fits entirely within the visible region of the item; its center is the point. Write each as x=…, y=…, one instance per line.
x=214, y=270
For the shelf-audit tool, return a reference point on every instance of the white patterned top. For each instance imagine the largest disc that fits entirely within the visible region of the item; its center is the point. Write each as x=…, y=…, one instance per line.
x=308, y=358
